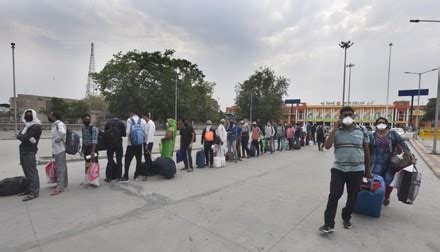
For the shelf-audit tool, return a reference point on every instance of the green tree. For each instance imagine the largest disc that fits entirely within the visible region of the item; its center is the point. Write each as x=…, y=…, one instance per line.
x=430, y=110
x=267, y=91
x=145, y=82
x=70, y=111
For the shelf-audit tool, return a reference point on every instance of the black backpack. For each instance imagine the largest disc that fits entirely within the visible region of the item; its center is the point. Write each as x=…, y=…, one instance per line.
x=102, y=145
x=112, y=137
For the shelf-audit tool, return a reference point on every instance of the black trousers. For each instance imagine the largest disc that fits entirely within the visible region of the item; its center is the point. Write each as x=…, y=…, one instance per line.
x=338, y=180
x=256, y=144
x=187, y=157
x=244, y=146
x=148, y=148
x=114, y=169
x=209, y=153
x=290, y=140
x=133, y=151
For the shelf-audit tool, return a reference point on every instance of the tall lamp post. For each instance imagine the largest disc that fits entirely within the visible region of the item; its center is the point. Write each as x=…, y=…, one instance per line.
x=434, y=145
x=418, y=98
x=388, y=82
x=349, y=81
x=345, y=46
x=15, y=94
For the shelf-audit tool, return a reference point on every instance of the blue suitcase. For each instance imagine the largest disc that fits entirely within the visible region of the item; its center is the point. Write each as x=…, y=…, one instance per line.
x=200, y=159
x=370, y=198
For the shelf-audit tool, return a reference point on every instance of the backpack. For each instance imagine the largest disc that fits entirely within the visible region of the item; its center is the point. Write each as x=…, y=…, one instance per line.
x=209, y=136
x=102, y=145
x=136, y=133
x=112, y=136
x=320, y=131
x=72, y=142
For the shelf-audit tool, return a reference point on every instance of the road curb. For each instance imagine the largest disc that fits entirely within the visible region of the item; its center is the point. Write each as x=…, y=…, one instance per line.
x=431, y=160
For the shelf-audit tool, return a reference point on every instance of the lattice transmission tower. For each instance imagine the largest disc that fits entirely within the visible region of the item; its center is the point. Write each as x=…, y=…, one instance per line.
x=91, y=86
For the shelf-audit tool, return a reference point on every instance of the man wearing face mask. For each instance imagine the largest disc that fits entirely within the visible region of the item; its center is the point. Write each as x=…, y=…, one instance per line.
x=352, y=162
x=29, y=137
x=90, y=143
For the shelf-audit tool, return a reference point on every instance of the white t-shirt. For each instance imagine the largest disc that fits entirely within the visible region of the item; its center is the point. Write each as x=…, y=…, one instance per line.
x=150, y=131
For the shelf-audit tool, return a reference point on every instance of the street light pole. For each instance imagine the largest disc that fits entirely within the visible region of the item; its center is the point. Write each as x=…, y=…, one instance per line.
x=15, y=94
x=349, y=81
x=388, y=83
x=345, y=46
x=437, y=105
x=250, y=111
x=418, y=99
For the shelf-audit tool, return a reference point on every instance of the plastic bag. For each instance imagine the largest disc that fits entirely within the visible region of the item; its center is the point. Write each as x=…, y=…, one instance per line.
x=92, y=176
x=219, y=162
x=51, y=172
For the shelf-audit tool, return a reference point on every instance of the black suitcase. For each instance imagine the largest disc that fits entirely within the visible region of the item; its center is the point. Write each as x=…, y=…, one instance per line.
x=13, y=186
x=409, y=186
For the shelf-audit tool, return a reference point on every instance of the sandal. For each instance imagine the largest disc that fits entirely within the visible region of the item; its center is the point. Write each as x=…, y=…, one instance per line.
x=23, y=193
x=30, y=197
x=56, y=191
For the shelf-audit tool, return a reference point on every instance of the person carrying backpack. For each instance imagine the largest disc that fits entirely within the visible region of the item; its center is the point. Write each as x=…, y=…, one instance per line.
x=59, y=131
x=114, y=130
x=135, y=139
x=208, y=136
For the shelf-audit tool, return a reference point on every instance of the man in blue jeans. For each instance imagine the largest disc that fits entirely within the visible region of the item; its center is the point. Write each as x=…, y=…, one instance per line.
x=352, y=162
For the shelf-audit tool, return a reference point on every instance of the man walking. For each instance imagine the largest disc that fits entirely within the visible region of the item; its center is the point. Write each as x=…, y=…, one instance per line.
x=114, y=131
x=150, y=130
x=29, y=137
x=352, y=162
x=135, y=140
x=59, y=131
x=186, y=139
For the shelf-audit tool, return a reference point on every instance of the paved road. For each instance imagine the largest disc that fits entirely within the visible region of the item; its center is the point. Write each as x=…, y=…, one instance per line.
x=271, y=203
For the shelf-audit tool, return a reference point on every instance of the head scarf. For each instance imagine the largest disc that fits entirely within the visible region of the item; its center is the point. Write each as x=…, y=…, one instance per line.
x=29, y=124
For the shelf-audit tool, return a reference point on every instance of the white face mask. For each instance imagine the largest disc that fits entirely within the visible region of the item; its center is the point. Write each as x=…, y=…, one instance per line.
x=381, y=126
x=347, y=120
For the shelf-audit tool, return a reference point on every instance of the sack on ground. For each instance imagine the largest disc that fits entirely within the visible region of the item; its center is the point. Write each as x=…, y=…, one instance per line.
x=13, y=186
x=409, y=186
x=51, y=172
x=92, y=176
x=230, y=156
x=219, y=162
x=166, y=167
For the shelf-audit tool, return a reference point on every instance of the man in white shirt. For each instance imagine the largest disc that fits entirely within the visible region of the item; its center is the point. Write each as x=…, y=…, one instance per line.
x=135, y=140
x=59, y=131
x=150, y=130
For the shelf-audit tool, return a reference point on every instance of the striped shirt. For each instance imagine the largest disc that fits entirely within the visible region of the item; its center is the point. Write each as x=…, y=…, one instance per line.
x=349, y=149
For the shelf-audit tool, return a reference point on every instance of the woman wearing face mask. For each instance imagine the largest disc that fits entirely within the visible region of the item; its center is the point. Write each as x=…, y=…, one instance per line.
x=167, y=143
x=382, y=142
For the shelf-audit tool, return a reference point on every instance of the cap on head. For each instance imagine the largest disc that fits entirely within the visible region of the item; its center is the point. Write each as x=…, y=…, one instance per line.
x=222, y=121
x=209, y=122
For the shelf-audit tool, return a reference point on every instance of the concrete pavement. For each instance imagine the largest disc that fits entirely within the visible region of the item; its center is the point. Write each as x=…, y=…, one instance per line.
x=272, y=203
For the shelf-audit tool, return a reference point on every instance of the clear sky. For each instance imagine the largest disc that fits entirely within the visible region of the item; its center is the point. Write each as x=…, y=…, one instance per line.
x=228, y=39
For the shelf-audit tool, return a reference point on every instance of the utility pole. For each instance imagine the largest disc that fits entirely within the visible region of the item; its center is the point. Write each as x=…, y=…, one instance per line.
x=388, y=83
x=345, y=46
x=349, y=80
x=15, y=94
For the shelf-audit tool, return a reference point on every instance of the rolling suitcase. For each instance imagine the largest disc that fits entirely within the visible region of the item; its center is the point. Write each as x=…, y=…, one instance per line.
x=200, y=159
x=370, y=197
